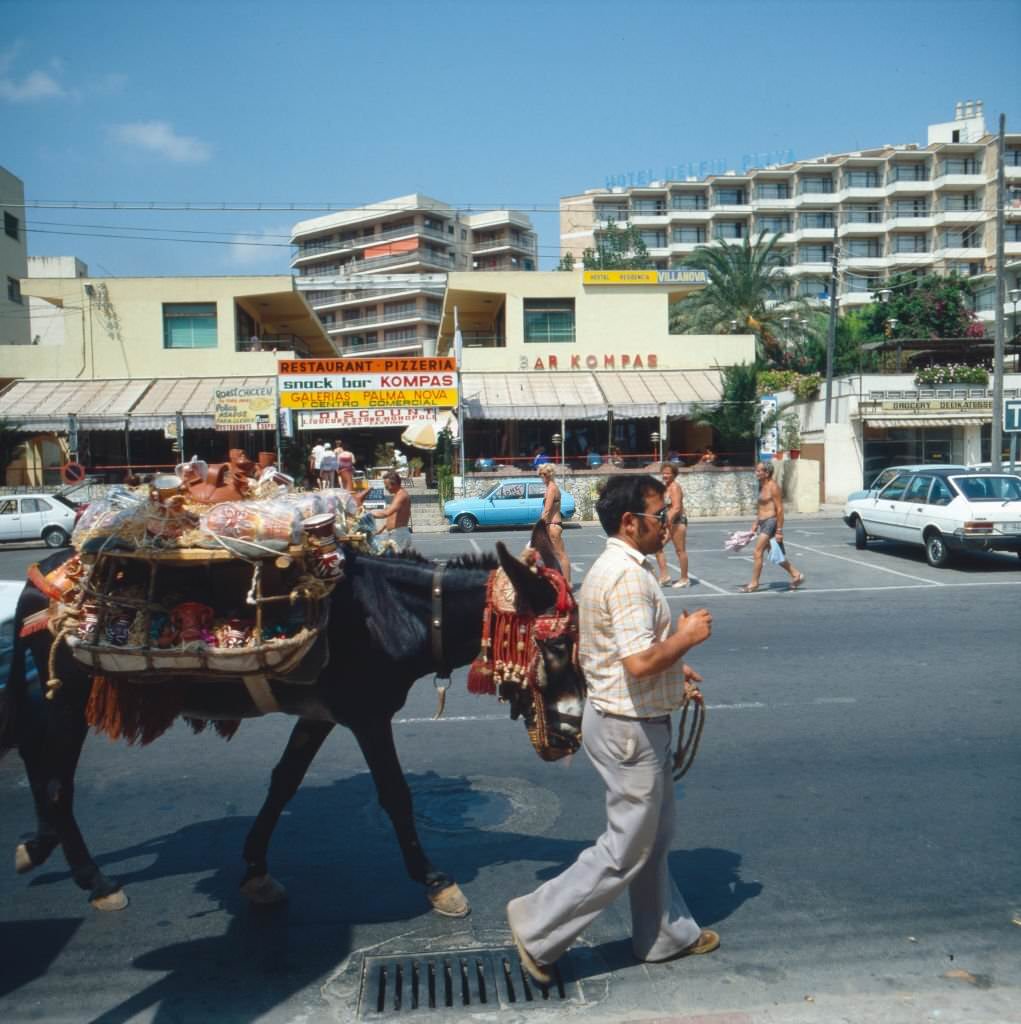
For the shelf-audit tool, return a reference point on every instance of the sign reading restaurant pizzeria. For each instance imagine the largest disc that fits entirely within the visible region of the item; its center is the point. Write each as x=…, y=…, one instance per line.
x=316, y=385
x=251, y=407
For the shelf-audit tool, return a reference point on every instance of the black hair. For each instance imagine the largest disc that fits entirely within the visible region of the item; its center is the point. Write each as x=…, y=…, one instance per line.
x=624, y=494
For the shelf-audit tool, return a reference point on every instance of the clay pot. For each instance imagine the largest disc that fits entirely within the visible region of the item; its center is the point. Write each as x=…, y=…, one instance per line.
x=267, y=459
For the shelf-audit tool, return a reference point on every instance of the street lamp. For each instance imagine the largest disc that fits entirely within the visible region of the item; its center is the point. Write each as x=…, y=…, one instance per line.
x=558, y=443
x=654, y=440
x=884, y=294
x=891, y=326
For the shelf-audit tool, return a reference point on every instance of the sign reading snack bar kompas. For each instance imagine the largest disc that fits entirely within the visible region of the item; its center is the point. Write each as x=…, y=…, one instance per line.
x=320, y=384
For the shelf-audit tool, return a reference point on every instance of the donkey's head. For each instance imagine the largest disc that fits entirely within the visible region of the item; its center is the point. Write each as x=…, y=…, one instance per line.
x=550, y=697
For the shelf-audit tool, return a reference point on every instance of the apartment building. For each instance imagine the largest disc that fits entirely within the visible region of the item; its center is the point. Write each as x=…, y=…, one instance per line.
x=892, y=209
x=408, y=236
x=14, y=313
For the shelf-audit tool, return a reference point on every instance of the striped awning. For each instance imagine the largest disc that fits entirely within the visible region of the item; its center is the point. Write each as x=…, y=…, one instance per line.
x=642, y=393
x=193, y=397
x=531, y=395
x=926, y=421
x=554, y=395
x=46, y=404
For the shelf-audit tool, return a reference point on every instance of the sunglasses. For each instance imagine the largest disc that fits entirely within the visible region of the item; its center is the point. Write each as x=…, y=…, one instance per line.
x=660, y=516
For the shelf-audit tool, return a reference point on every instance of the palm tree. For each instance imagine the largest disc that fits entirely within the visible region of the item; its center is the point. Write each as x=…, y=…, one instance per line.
x=742, y=280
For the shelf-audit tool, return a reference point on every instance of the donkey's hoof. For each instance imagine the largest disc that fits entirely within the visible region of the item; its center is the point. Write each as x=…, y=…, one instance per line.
x=264, y=889
x=116, y=900
x=23, y=862
x=450, y=901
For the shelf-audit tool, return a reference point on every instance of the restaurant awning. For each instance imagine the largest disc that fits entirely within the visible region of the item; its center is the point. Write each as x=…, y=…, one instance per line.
x=530, y=395
x=926, y=421
x=194, y=397
x=641, y=393
x=46, y=404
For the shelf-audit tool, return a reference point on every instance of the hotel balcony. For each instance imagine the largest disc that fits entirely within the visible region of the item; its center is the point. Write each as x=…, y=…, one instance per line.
x=523, y=243
x=341, y=327
x=317, y=249
x=409, y=347
x=320, y=301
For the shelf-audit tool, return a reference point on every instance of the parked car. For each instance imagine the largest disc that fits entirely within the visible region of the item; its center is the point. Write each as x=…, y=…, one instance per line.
x=942, y=509
x=886, y=475
x=46, y=517
x=515, y=502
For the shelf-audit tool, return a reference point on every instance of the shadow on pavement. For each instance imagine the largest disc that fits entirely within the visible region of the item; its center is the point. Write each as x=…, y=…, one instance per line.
x=30, y=947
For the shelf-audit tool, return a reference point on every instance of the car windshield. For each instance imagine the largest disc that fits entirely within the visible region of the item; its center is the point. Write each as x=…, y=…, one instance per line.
x=489, y=493
x=64, y=501
x=983, y=487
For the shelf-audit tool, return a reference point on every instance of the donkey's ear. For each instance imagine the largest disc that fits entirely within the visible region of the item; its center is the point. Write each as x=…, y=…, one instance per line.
x=540, y=542
x=532, y=590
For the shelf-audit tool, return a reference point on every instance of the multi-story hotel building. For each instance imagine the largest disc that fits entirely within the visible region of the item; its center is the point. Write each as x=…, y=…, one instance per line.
x=894, y=209
x=409, y=235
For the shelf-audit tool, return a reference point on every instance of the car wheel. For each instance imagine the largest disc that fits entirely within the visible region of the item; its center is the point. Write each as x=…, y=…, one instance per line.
x=861, y=538
x=55, y=537
x=466, y=523
x=937, y=553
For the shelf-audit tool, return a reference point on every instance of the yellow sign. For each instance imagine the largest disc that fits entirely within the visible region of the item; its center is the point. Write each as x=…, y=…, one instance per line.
x=620, y=277
x=244, y=408
x=443, y=398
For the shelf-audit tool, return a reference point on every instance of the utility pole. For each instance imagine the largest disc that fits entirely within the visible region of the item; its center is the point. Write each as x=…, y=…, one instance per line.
x=831, y=340
x=996, y=445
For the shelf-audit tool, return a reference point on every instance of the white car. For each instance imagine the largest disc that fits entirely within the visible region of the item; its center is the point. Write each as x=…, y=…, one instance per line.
x=46, y=517
x=943, y=510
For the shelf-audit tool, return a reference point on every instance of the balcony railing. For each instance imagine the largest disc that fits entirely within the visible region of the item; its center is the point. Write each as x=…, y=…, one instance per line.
x=483, y=339
x=526, y=244
x=960, y=167
x=313, y=248
x=815, y=188
x=864, y=216
x=432, y=316
x=363, y=346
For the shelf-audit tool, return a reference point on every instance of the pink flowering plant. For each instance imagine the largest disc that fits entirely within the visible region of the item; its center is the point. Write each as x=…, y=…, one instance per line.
x=951, y=373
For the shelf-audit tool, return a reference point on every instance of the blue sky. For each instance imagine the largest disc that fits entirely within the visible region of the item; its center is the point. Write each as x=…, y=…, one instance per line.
x=483, y=104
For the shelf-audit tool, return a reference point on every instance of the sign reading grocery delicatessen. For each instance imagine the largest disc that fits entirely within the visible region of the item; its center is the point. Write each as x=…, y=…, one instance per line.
x=398, y=383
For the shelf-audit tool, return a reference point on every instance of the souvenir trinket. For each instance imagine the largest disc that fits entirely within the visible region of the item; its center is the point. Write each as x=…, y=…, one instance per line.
x=191, y=622
x=326, y=559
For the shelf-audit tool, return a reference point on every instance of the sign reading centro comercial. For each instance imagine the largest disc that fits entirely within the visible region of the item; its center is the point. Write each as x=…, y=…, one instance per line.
x=397, y=383
x=676, y=277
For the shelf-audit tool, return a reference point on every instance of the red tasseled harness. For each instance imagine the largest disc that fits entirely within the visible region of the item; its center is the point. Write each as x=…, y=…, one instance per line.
x=509, y=655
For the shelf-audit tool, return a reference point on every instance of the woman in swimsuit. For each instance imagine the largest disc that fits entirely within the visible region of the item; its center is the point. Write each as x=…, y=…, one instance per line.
x=554, y=521
x=345, y=466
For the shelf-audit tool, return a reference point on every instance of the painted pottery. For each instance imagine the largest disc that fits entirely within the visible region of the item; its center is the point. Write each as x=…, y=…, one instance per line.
x=191, y=621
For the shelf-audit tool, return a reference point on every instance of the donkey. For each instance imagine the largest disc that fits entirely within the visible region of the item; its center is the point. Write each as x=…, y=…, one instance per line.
x=382, y=632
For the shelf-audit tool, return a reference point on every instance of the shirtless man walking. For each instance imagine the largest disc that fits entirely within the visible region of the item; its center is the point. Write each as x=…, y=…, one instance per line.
x=677, y=528
x=397, y=515
x=769, y=524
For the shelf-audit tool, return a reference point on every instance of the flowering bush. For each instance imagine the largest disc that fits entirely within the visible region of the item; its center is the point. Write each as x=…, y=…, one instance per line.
x=951, y=373
x=803, y=385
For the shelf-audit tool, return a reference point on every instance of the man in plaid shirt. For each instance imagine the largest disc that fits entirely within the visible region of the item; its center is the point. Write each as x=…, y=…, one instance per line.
x=636, y=678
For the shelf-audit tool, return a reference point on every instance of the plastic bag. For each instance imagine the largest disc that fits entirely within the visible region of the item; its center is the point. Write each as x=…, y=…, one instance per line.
x=738, y=539
x=119, y=517
x=254, y=520
x=777, y=555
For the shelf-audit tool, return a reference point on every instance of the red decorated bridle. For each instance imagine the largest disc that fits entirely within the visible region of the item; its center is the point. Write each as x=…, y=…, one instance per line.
x=510, y=655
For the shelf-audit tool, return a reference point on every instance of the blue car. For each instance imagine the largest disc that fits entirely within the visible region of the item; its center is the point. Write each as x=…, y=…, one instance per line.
x=515, y=502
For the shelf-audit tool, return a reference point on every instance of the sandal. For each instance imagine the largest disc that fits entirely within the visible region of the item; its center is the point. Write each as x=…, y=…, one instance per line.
x=795, y=583
x=749, y=589
x=707, y=941
x=666, y=583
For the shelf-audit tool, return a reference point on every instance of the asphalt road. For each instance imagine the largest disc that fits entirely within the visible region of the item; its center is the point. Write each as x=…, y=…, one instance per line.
x=850, y=826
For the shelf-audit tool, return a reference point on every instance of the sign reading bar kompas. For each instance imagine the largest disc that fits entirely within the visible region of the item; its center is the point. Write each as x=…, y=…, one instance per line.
x=244, y=408
x=322, y=384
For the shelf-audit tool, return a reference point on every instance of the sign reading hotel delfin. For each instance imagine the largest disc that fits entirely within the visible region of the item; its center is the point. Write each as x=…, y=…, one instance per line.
x=366, y=392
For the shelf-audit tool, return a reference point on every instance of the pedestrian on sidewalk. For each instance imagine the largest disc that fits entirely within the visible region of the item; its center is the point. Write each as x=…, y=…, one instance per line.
x=769, y=524
x=632, y=664
x=677, y=528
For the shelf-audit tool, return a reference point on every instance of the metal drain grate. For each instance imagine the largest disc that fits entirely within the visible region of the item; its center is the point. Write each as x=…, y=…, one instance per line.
x=478, y=980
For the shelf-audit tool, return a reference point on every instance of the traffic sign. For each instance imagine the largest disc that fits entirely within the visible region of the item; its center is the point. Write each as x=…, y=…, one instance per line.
x=1011, y=415
x=72, y=472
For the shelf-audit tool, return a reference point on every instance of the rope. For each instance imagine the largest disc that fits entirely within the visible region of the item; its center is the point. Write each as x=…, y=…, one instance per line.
x=687, y=744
